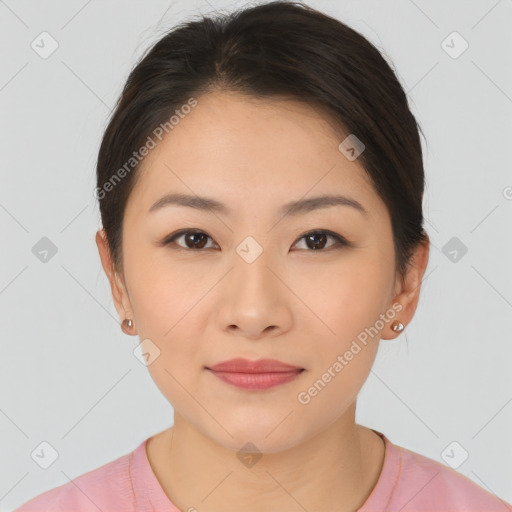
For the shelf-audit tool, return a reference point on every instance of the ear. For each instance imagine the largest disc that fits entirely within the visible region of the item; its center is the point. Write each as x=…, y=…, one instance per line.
x=117, y=285
x=409, y=289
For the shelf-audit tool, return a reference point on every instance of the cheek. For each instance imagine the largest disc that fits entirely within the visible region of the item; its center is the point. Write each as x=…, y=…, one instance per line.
x=347, y=340
x=165, y=297
x=345, y=296
x=347, y=300
x=169, y=313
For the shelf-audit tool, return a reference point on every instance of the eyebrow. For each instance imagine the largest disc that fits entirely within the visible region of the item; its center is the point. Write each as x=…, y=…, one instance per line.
x=292, y=208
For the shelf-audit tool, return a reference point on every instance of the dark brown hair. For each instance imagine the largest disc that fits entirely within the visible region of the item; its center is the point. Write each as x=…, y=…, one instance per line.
x=277, y=49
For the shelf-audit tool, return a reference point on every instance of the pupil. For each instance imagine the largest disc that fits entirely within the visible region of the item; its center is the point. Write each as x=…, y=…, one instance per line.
x=315, y=241
x=192, y=236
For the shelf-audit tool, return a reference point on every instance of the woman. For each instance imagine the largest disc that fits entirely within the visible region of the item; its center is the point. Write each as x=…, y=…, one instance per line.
x=260, y=185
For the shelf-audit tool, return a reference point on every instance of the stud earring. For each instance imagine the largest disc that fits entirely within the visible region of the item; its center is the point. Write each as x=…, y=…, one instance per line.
x=397, y=326
x=126, y=325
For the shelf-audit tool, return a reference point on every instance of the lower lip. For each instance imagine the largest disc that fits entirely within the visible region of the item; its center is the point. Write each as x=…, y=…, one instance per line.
x=257, y=380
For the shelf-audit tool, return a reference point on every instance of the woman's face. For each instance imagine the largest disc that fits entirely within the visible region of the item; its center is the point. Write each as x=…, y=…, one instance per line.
x=251, y=285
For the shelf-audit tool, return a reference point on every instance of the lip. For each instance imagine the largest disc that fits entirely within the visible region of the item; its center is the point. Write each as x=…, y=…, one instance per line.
x=255, y=375
x=241, y=365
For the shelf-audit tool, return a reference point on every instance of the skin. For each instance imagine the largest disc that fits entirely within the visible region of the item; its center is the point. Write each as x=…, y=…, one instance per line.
x=293, y=303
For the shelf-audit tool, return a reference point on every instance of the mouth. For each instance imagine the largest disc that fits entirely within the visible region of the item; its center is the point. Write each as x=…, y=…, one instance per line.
x=254, y=379
x=257, y=381
x=255, y=375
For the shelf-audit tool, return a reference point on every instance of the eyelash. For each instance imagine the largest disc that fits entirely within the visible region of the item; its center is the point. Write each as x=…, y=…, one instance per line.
x=340, y=241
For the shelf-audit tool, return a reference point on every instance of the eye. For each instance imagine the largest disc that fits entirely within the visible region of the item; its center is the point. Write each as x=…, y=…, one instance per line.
x=197, y=240
x=316, y=239
x=193, y=239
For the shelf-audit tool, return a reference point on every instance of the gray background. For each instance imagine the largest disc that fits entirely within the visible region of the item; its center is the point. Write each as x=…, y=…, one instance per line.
x=68, y=373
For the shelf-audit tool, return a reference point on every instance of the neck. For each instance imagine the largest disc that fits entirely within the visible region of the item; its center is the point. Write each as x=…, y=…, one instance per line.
x=335, y=469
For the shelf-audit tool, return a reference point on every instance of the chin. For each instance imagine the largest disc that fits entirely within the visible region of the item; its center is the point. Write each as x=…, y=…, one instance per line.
x=256, y=437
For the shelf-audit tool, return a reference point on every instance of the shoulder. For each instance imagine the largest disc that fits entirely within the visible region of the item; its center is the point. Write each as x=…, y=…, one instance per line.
x=426, y=484
x=105, y=488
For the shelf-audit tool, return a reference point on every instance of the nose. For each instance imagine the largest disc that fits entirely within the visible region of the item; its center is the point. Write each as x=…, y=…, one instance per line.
x=255, y=302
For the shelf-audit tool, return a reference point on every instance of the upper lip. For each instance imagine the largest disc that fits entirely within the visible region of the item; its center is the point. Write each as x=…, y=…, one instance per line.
x=241, y=365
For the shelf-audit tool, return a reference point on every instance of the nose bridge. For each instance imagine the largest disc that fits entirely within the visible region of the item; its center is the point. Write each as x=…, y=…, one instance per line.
x=251, y=266
x=256, y=258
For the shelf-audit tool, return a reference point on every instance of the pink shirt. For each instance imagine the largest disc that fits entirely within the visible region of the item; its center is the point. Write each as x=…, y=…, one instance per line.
x=408, y=482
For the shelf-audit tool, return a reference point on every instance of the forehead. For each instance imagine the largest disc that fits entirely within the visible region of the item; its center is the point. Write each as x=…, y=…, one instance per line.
x=249, y=151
